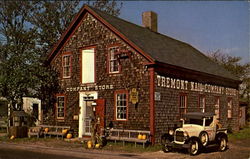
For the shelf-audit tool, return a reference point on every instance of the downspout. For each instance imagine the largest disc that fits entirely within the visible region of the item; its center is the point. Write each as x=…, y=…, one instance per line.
x=152, y=103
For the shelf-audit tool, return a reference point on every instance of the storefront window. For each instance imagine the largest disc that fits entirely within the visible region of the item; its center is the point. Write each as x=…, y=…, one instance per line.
x=121, y=103
x=229, y=108
x=202, y=103
x=217, y=107
x=60, y=107
x=183, y=104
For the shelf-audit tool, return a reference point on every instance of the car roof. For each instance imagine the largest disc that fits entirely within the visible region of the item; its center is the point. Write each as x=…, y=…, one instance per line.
x=198, y=115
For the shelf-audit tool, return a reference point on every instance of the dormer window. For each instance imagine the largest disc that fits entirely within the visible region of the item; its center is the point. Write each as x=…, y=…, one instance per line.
x=66, y=66
x=113, y=63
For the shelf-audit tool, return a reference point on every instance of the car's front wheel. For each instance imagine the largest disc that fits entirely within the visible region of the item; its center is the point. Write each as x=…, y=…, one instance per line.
x=222, y=143
x=165, y=140
x=194, y=147
x=165, y=147
x=204, y=139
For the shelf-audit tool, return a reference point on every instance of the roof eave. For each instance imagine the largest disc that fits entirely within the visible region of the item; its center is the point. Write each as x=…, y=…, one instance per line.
x=165, y=65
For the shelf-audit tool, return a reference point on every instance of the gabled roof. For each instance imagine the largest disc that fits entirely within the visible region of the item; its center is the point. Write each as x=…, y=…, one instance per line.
x=154, y=46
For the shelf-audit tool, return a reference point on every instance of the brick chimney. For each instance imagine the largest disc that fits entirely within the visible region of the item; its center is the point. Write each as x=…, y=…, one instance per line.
x=149, y=20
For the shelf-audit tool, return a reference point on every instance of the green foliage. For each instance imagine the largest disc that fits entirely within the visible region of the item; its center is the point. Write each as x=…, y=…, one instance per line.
x=18, y=51
x=242, y=134
x=109, y=6
x=130, y=147
x=242, y=71
x=51, y=19
x=231, y=63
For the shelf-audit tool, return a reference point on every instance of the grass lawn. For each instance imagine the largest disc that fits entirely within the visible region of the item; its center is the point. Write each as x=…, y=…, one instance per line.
x=130, y=147
x=111, y=146
x=53, y=142
x=241, y=135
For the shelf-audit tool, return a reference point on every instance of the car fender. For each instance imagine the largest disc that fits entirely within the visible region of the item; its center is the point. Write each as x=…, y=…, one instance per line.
x=219, y=135
x=167, y=136
x=191, y=138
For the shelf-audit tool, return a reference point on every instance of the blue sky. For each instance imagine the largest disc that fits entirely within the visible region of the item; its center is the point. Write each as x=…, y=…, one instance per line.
x=207, y=26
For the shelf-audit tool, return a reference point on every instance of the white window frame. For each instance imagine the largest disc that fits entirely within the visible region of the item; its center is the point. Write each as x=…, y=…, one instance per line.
x=112, y=59
x=121, y=105
x=66, y=64
x=59, y=107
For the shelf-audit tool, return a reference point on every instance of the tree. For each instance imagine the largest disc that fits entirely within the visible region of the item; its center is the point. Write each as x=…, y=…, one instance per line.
x=109, y=6
x=233, y=65
x=28, y=30
x=17, y=52
x=51, y=19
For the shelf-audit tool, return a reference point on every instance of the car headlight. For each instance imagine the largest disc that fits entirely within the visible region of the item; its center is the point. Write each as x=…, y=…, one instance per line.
x=185, y=134
x=171, y=132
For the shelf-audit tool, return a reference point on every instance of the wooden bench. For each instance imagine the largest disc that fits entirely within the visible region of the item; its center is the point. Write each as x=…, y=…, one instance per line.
x=54, y=130
x=35, y=131
x=129, y=136
x=3, y=125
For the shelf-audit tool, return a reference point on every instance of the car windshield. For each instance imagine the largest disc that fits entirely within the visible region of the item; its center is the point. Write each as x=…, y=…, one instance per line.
x=199, y=121
x=194, y=121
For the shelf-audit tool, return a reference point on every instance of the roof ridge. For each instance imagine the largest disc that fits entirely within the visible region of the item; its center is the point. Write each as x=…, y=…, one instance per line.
x=137, y=25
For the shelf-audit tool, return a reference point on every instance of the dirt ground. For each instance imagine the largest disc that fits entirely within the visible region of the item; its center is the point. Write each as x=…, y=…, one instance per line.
x=238, y=149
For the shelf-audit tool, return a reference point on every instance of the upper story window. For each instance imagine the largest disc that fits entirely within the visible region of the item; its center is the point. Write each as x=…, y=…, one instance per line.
x=217, y=107
x=113, y=63
x=121, y=105
x=60, y=107
x=88, y=65
x=183, y=104
x=229, y=107
x=202, y=103
x=66, y=66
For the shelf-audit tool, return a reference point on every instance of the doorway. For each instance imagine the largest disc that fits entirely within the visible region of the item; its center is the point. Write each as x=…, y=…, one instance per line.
x=86, y=112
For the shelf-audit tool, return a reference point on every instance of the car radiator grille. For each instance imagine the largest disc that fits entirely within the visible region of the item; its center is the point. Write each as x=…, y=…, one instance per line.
x=179, y=136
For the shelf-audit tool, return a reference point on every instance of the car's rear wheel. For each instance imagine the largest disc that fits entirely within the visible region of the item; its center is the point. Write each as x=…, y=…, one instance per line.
x=194, y=147
x=222, y=143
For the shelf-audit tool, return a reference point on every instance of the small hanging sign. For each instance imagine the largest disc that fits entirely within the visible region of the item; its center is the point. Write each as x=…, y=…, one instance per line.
x=134, y=96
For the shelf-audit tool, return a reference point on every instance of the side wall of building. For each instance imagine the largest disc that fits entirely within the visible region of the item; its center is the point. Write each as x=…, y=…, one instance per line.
x=167, y=106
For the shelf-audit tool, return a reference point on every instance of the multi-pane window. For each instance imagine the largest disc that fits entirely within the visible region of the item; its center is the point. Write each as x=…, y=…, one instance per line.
x=113, y=61
x=66, y=64
x=229, y=108
x=121, y=104
x=217, y=107
x=202, y=103
x=183, y=104
x=60, y=107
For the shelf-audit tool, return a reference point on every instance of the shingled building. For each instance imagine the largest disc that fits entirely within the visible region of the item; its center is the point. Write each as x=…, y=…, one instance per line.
x=139, y=78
